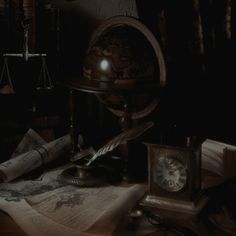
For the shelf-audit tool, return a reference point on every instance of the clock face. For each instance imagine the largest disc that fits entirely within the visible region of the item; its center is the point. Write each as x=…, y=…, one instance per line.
x=170, y=173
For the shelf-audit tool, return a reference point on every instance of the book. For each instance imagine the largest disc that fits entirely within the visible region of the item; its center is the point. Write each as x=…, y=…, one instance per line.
x=218, y=162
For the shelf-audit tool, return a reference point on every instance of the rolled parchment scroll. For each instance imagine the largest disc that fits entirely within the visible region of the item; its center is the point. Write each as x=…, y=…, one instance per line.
x=33, y=159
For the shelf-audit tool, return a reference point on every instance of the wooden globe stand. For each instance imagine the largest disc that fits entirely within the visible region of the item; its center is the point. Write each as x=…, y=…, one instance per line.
x=126, y=115
x=115, y=64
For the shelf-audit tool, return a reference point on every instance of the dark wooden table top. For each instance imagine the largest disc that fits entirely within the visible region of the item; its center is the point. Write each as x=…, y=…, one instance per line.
x=9, y=228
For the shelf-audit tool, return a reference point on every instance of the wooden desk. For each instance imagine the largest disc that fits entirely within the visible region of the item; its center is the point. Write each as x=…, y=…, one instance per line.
x=9, y=228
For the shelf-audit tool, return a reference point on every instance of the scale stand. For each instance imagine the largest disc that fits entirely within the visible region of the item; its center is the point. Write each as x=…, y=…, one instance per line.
x=44, y=81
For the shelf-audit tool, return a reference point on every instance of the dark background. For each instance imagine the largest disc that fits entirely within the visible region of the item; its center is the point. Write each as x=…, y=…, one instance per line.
x=199, y=98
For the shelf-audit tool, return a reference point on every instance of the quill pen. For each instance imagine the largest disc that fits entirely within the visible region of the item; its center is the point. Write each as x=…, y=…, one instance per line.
x=122, y=138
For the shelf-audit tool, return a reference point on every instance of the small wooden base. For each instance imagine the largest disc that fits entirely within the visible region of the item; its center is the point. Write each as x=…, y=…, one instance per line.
x=172, y=208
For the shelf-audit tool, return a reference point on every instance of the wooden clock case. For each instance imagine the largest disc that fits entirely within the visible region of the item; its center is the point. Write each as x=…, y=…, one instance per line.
x=189, y=200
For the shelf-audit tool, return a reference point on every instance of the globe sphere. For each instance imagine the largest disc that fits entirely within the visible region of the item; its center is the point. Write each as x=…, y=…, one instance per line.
x=125, y=57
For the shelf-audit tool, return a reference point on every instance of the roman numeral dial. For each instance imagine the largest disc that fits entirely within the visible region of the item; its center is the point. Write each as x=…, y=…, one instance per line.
x=170, y=173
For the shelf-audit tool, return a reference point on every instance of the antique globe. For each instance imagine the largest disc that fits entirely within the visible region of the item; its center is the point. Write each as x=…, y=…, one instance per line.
x=124, y=65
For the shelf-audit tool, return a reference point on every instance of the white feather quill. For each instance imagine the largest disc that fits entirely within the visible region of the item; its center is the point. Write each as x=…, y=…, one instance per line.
x=122, y=138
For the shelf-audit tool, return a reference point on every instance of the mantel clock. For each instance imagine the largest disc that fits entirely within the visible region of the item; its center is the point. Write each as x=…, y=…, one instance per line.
x=174, y=178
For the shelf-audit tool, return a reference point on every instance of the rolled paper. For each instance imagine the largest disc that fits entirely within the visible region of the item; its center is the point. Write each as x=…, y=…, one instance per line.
x=33, y=159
